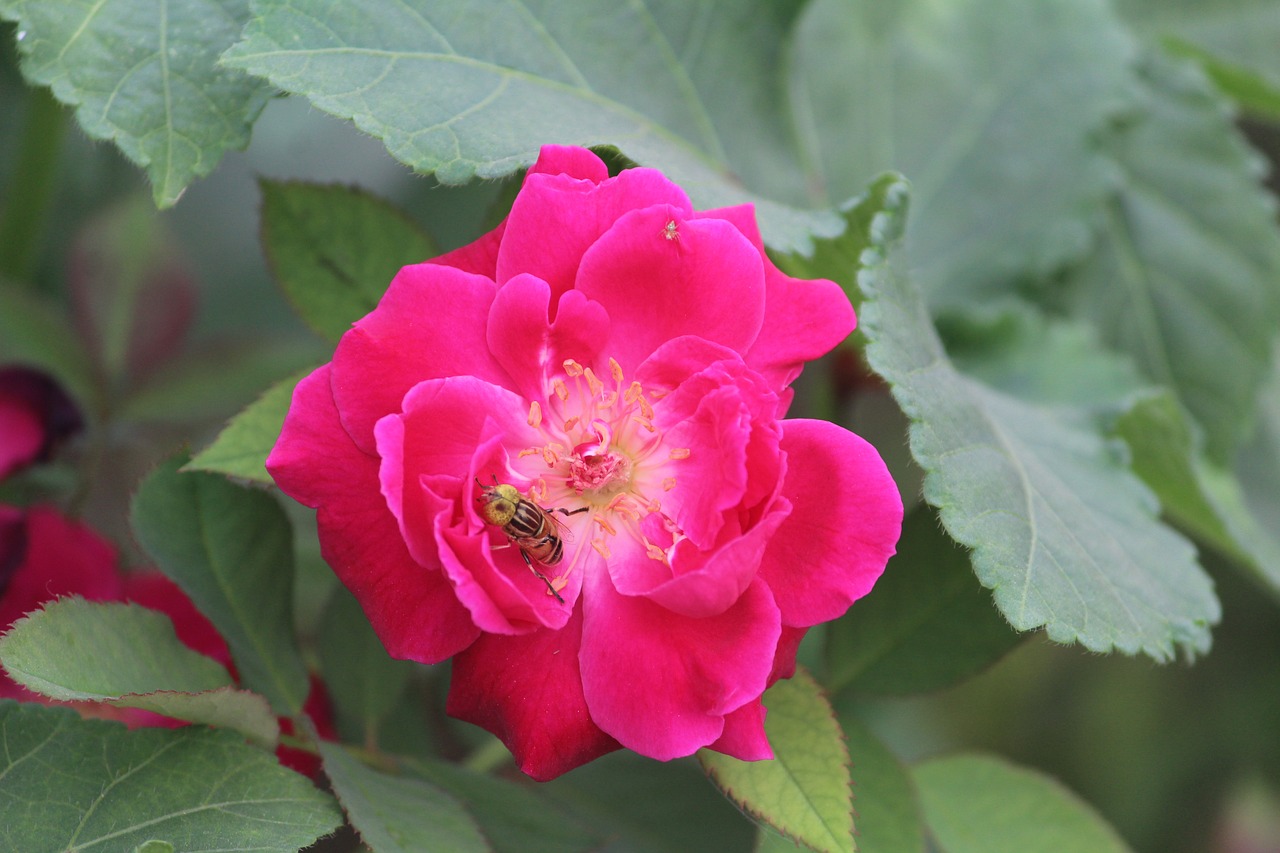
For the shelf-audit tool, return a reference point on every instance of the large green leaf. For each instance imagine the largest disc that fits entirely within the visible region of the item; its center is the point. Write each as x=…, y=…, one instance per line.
x=128, y=656
x=399, y=814
x=988, y=106
x=231, y=551
x=89, y=785
x=1062, y=532
x=1184, y=278
x=803, y=791
x=334, y=249
x=473, y=92
x=929, y=624
x=981, y=804
x=145, y=75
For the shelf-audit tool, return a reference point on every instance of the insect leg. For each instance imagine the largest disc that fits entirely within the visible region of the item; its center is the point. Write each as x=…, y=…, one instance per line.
x=541, y=577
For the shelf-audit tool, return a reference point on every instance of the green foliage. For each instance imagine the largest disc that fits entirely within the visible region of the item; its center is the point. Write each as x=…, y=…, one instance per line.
x=334, y=250
x=1061, y=531
x=804, y=791
x=980, y=804
x=929, y=624
x=73, y=784
x=397, y=813
x=147, y=79
x=241, y=449
x=231, y=551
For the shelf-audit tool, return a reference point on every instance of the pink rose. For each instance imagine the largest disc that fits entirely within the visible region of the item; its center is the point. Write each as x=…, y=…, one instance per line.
x=35, y=414
x=622, y=362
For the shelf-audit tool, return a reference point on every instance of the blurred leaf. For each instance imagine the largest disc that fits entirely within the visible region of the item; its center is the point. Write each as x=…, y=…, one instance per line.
x=73, y=784
x=1250, y=91
x=1239, y=34
x=474, y=92
x=928, y=624
x=804, y=791
x=514, y=818
x=650, y=806
x=1184, y=278
x=241, y=449
x=362, y=679
x=333, y=250
x=34, y=333
x=146, y=77
x=132, y=295
x=981, y=804
x=216, y=380
x=990, y=107
x=397, y=813
x=1061, y=531
x=1258, y=465
x=230, y=549
x=885, y=802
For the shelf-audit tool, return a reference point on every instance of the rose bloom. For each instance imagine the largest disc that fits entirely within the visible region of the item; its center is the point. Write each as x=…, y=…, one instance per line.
x=623, y=362
x=35, y=414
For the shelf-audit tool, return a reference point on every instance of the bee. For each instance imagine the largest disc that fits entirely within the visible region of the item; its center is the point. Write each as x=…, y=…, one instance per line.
x=531, y=528
x=671, y=231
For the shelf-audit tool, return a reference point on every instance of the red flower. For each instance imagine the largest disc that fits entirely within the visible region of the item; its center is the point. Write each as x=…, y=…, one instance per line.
x=621, y=362
x=35, y=414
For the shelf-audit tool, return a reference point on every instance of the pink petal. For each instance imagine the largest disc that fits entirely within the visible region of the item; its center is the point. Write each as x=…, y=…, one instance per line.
x=529, y=346
x=804, y=318
x=709, y=283
x=527, y=691
x=784, y=659
x=412, y=607
x=662, y=683
x=479, y=257
x=556, y=218
x=844, y=524
x=429, y=324
x=21, y=435
x=571, y=160
x=744, y=737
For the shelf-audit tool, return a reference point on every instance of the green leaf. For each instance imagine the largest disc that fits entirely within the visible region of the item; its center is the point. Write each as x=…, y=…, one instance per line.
x=146, y=77
x=1241, y=34
x=362, y=679
x=928, y=625
x=476, y=94
x=241, y=449
x=884, y=795
x=72, y=784
x=982, y=804
x=128, y=656
x=1061, y=531
x=804, y=791
x=1184, y=276
x=1250, y=91
x=514, y=818
x=33, y=332
x=230, y=549
x=988, y=106
x=397, y=813
x=333, y=250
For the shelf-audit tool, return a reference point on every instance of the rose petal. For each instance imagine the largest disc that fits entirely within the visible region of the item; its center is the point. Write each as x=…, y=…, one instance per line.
x=529, y=346
x=572, y=160
x=662, y=683
x=744, y=736
x=429, y=324
x=21, y=435
x=527, y=691
x=708, y=283
x=845, y=521
x=479, y=257
x=556, y=218
x=412, y=608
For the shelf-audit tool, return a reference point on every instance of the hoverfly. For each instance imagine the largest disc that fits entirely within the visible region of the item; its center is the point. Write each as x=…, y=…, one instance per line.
x=530, y=527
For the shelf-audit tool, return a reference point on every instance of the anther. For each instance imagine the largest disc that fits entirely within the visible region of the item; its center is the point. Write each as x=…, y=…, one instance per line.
x=572, y=368
x=562, y=390
x=571, y=423
x=605, y=525
x=601, y=548
x=679, y=453
x=535, y=414
x=615, y=370
x=593, y=383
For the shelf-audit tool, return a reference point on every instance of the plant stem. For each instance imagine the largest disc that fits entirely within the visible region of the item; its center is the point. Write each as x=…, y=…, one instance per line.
x=31, y=186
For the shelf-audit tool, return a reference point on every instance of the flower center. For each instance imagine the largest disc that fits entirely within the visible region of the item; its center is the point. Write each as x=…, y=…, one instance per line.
x=603, y=451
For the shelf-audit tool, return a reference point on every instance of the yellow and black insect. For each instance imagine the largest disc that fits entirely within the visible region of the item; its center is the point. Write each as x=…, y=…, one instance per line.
x=530, y=527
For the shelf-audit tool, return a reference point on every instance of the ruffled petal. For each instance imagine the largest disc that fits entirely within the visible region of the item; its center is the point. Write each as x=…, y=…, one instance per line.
x=556, y=218
x=804, y=318
x=744, y=737
x=661, y=683
x=412, y=607
x=527, y=691
x=571, y=160
x=707, y=282
x=529, y=345
x=429, y=324
x=479, y=257
x=845, y=521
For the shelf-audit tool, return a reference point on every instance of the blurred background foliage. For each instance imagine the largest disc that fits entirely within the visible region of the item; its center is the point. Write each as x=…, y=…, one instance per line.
x=1179, y=757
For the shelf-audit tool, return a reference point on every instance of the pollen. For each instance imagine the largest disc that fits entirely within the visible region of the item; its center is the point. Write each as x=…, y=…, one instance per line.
x=679, y=453
x=572, y=368
x=535, y=414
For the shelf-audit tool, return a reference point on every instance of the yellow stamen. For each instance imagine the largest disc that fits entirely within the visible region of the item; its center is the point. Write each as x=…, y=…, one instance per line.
x=679, y=453
x=668, y=484
x=615, y=370
x=571, y=423
x=535, y=414
x=593, y=383
x=572, y=368
x=605, y=525
x=562, y=390
x=601, y=548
